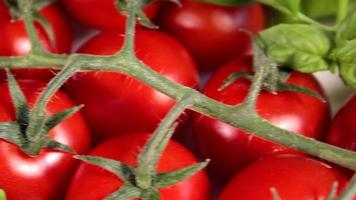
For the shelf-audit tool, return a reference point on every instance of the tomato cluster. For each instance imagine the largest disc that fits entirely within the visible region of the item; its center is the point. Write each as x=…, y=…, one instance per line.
x=119, y=112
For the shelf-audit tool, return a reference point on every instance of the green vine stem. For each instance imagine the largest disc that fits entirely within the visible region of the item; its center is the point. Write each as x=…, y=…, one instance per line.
x=342, y=10
x=150, y=154
x=237, y=116
x=26, y=9
x=350, y=190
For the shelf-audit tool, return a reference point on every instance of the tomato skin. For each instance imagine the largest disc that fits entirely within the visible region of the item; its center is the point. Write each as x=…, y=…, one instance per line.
x=46, y=176
x=59, y=22
x=122, y=104
x=14, y=40
x=61, y=27
x=212, y=33
x=294, y=178
x=342, y=132
x=101, y=14
x=232, y=149
x=125, y=149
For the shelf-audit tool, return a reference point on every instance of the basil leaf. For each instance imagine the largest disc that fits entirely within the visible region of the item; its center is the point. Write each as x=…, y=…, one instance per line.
x=346, y=57
x=289, y=7
x=347, y=29
x=298, y=46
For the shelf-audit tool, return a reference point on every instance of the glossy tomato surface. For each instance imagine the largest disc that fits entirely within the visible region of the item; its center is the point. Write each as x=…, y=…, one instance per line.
x=14, y=40
x=92, y=183
x=343, y=129
x=58, y=21
x=212, y=33
x=231, y=148
x=115, y=103
x=101, y=14
x=45, y=176
x=294, y=178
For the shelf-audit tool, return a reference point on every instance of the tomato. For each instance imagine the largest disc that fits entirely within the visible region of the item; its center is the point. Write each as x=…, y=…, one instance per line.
x=59, y=23
x=14, y=40
x=212, y=33
x=232, y=149
x=294, y=178
x=101, y=14
x=121, y=104
x=125, y=149
x=343, y=129
x=61, y=27
x=45, y=176
x=4, y=14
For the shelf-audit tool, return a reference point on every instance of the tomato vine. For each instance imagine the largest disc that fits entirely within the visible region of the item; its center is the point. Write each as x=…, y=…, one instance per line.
x=331, y=44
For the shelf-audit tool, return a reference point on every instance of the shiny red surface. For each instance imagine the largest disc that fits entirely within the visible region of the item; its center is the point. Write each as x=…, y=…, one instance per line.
x=232, y=149
x=115, y=103
x=101, y=14
x=47, y=175
x=212, y=33
x=294, y=178
x=92, y=183
x=343, y=129
x=14, y=40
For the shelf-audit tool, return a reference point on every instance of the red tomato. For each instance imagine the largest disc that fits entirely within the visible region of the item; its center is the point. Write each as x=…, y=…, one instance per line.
x=125, y=149
x=61, y=27
x=212, y=33
x=294, y=178
x=101, y=14
x=230, y=148
x=4, y=14
x=59, y=23
x=115, y=103
x=14, y=40
x=343, y=129
x=45, y=176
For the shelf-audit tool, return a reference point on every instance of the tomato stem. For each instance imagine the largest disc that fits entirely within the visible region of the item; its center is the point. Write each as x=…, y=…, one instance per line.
x=350, y=190
x=26, y=10
x=151, y=152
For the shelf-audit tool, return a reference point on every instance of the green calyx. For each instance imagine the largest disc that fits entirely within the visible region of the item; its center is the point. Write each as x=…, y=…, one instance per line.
x=143, y=181
x=128, y=174
x=274, y=78
x=131, y=7
x=17, y=132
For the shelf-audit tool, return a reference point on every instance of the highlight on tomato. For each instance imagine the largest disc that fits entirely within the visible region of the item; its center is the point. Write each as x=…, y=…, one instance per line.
x=122, y=104
x=232, y=149
x=213, y=34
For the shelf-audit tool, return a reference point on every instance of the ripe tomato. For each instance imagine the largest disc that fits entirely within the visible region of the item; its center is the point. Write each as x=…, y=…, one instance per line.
x=59, y=23
x=14, y=40
x=343, y=129
x=212, y=33
x=230, y=148
x=101, y=14
x=125, y=149
x=46, y=175
x=4, y=14
x=294, y=178
x=122, y=104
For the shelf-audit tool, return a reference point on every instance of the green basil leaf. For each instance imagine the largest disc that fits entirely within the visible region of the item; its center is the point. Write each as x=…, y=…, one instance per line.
x=289, y=7
x=346, y=57
x=298, y=46
x=347, y=29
